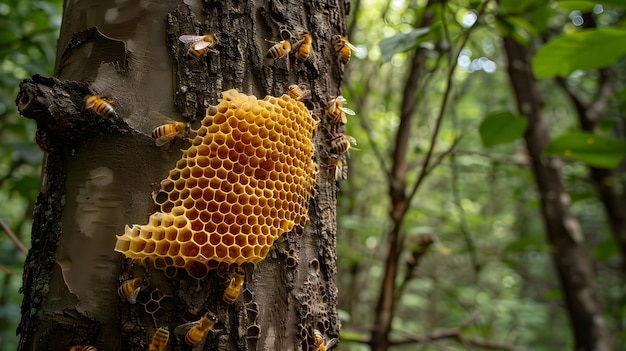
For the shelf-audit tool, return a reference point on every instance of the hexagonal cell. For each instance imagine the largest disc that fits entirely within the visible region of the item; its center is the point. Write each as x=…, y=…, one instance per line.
x=162, y=247
x=234, y=251
x=228, y=239
x=184, y=235
x=207, y=251
x=189, y=249
x=200, y=238
x=221, y=251
x=174, y=249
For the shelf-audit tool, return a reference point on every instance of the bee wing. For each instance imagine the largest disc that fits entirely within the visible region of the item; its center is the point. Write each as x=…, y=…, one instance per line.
x=164, y=140
x=352, y=47
x=133, y=296
x=351, y=139
x=189, y=38
x=201, y=45
x=347, y=111
x=184, y=328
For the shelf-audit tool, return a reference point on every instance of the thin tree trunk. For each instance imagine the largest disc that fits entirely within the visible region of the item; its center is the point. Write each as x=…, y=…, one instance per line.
x=100, y=173
x=400, y=197
x=572, y=263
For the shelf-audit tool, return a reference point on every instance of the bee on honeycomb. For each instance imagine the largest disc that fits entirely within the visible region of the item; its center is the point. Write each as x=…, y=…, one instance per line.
x=245, y=180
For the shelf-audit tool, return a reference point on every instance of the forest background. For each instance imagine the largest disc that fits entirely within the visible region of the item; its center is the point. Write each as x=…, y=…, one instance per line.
x=442, y=184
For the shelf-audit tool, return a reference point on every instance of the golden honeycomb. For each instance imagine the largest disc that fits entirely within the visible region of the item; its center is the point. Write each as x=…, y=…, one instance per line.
x=245, y=180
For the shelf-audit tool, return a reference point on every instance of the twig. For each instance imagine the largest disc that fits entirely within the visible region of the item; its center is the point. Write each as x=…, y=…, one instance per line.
x=6, y=270
x=13, y=237
x=444, y=102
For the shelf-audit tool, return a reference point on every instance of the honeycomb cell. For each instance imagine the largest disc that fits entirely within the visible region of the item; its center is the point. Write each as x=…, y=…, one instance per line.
x=245, y=180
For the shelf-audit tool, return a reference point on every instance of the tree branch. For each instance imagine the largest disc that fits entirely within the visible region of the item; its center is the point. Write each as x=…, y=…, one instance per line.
x=13, y=237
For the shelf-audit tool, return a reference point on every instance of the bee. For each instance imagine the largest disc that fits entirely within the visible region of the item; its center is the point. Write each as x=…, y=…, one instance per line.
x=165, y=133
x=83, y=348
x=318, y=340
x=42, y=140
x=341, y=143
x=343, y=48
x=279, y=49
x=233, y=290
x=337, y=111
x=196, y=331
x=303, y=46
x=100, y=106
x=335, y=168
x=129, y=290
x=159, y=340
x=298, y=92
x=200, y=45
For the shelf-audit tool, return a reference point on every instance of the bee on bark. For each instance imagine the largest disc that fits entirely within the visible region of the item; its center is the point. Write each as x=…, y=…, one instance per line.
x=233, y=290
x=200, y=45
x=159, y=340
x=196, y=331
x=42, y=140
x=100, y=106
x=280, y=50
x=298, y=91
x=303, y=46
x=337, y=111
x=341, y=144
x=129, y=290
x=335, y=168
x=343, y=48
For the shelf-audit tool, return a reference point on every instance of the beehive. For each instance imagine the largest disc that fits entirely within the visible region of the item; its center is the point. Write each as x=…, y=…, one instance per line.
x=245, y=180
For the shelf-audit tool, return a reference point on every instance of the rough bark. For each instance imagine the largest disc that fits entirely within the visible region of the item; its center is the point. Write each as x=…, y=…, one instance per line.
x=573, y=264
x=99, y=175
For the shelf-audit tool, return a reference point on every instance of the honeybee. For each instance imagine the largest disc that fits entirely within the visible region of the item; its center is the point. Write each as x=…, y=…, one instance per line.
x=335, y=168
x=83, y=348
x=196, y=331
x=100, y=106
x=129, y=290
x=200, y=45
x=303, y=46
x=42, y=140
x=318, y=340
x=341, y=143
x=279, y=49
x=343, y=48
x=337, y=111
x=233, y=290
x=159, y=340
x=298, y=92
x=165, y=133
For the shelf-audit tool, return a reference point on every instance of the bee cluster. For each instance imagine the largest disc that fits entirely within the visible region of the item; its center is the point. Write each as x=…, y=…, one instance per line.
x=245, y=180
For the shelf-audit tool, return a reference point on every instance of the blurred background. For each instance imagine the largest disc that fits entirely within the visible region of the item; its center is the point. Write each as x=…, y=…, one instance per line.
x=474, y=261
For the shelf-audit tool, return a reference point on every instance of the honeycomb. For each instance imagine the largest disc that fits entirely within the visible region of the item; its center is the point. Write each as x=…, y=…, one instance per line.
x=245, y=180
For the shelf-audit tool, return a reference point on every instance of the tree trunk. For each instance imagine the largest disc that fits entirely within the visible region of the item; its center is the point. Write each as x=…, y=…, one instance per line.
x=99, y=175
x=572, y=263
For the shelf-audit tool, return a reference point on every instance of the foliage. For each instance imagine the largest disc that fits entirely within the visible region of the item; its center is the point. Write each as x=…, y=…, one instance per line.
x=490, y=255
x=28, y=34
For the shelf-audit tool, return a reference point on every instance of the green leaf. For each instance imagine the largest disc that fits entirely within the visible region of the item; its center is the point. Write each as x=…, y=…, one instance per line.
x=616, y=3
x=401, y=42
x=594, y=150
x=586, y=50
x=501, y=127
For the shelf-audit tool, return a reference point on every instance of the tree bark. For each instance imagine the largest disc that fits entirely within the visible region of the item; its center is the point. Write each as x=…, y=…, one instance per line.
x=572, y=263
x=100, y=173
